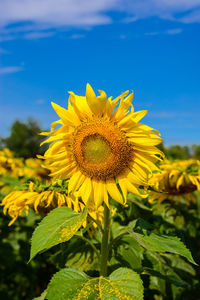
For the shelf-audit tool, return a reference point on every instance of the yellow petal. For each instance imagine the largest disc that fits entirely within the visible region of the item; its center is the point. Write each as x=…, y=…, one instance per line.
x=98, y=193
x=63, y=114
x=85, y=190
x=113, y=191
x=122, y=183
x=146, y=141
x=75, y=181
x=96, y=104
x=137, y=116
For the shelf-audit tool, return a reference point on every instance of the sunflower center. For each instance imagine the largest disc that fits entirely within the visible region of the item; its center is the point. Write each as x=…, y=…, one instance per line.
x=101, y=149
x=96, y=149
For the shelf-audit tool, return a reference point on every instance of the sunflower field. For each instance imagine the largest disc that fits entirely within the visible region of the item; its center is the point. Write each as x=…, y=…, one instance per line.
x=103, y=213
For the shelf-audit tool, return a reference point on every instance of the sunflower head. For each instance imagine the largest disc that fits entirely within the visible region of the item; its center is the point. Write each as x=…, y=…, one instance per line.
x=10, y=165
x=44, y=198
x=176, y=179
x=33, y=168
x=100, y=147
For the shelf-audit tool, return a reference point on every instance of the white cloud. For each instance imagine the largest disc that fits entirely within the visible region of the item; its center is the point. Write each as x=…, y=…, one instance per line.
x=77, y=36
x=164, y=9
x=3, y=51
x=54, y=14
x=35, y=18
x=40, y=101
x=194, y=16
x=37, y=35
x=10, y=70
x=152, y=33
x=174, y=31
x=6, y=37
x=169, y=31
x=122, y=36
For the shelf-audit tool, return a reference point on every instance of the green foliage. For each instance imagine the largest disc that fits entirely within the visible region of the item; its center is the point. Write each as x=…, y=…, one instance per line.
x=24, y=139
x=57, y=227
x=196, y=151
x=19, y=280
x=181, y=152
x=71, y=283
x=42, y=296
x=166, y=275
x=161, y=243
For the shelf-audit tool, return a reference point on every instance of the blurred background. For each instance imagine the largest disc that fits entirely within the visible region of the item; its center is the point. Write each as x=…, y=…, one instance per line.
x=48, y=48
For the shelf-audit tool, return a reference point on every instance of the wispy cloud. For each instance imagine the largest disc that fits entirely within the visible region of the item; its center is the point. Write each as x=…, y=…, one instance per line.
x=169, y=31
x=77, y=36
x=192, y=17
x=33, y=19
x=75, y=13
x=153, y=33
x=10, y=70
x=164, y=9
x=6, y=37
x=37, y=35
x=40, y=101
x=3, y=51
x=122, y=36
x=174, y=31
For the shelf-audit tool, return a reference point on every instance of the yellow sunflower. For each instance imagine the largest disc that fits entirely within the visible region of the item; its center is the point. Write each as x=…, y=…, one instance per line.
x=18, y=203
x=33, y=169
x=10, y=165
x=101, y=148
x=177, y=179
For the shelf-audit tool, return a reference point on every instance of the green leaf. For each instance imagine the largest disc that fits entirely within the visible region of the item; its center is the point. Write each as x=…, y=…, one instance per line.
x=154, y=273
x=132, y=257
x=9, y=180
x=178, y=263
x=57, y=227
x=137, y=202
x=74, y=284
x=140, y=223
x=162, y=243
x=42, y=296
x=129, y=249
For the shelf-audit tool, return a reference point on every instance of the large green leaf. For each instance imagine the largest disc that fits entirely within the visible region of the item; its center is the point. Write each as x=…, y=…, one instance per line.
x=130, y=251
x=42, y=296
x=74, y=284
x=57, y=227
x=162, y=243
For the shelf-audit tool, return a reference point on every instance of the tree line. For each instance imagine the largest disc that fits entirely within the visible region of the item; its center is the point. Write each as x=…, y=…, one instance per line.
x=24, y=140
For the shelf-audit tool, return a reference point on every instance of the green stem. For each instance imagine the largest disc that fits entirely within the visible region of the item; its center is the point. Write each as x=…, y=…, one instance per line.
x=104, y=243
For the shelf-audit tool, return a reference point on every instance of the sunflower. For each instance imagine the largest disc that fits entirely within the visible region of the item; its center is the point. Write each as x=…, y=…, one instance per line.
x=42, y=200
x=10, y=165
x=33, y=169
x=19, y=202
x=176, y=180
x=100, y=147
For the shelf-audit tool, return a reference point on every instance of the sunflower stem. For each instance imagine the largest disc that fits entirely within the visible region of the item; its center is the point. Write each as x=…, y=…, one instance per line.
x=104, y=243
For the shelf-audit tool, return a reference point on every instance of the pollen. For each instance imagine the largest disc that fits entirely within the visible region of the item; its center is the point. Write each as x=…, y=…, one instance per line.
x=101, y=149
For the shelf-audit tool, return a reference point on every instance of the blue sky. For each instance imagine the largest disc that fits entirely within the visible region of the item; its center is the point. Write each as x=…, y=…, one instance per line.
x=151, y=47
